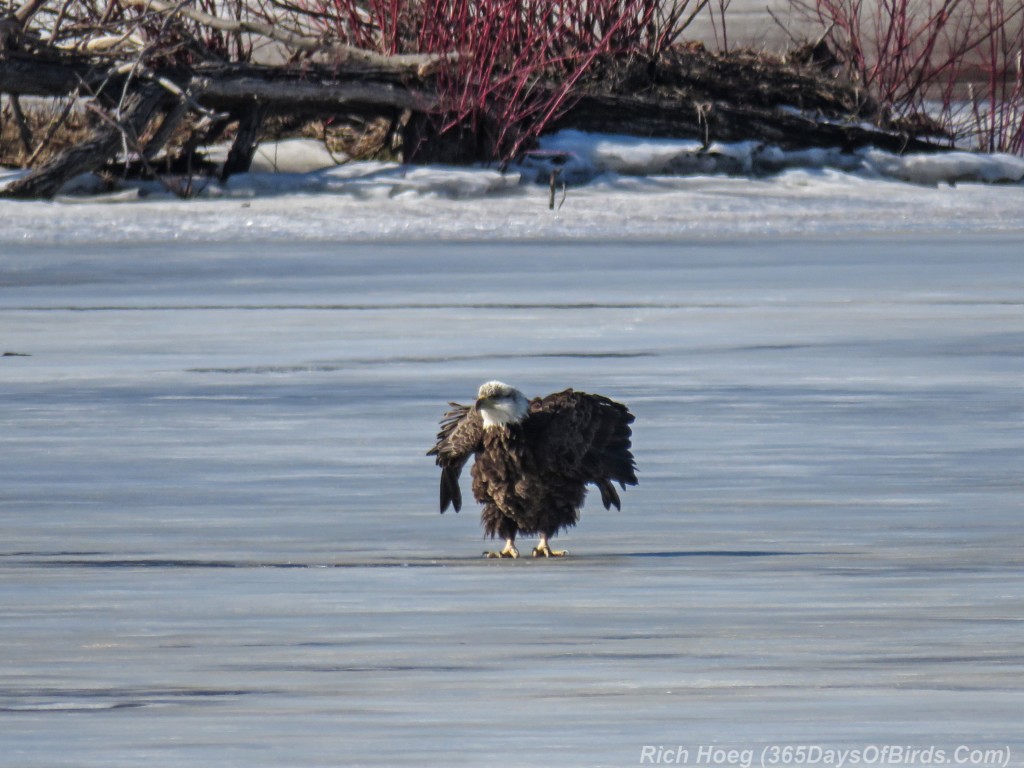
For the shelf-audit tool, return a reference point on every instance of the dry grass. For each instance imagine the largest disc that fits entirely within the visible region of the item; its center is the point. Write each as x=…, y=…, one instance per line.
x=39, y=130
x=360, y=138
x=51, y=128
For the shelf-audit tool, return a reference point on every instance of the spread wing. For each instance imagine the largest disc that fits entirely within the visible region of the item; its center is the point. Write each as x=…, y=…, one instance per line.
x=460, y=437
x=586, y=437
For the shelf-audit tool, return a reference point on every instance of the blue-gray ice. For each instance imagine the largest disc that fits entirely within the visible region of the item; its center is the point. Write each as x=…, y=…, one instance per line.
x=221, y=547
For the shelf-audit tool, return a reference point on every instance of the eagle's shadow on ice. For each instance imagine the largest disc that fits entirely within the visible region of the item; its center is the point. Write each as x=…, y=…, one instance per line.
x=581, y=557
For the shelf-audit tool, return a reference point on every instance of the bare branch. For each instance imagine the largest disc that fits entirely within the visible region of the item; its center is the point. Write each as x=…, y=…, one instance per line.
x=24, y=132
x=28, y=10
x=421, y=65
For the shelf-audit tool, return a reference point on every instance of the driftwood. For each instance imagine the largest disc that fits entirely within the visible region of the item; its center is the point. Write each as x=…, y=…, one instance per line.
x=692, y=93
x=246, y=139
x=324, y=89
x=318, y=90
x=245, y=94
x=722, y=121
x=112, y=71
x=138, y=108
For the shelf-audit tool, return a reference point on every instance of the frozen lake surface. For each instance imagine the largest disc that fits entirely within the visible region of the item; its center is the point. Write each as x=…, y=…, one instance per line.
x=221, y=544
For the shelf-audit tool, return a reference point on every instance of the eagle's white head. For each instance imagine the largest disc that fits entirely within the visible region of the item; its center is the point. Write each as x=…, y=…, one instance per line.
x=499, y=404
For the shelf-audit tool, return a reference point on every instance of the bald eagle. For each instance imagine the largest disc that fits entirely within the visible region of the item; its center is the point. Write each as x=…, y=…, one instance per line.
x=534, y=459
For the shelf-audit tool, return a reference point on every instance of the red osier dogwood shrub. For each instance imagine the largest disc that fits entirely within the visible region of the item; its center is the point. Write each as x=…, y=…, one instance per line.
x=914, y=57
x=514, y=64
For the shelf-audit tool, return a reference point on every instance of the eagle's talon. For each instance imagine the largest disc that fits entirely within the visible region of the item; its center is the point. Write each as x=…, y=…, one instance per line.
x=538, y=552
x=508, y=551
x=543, y=549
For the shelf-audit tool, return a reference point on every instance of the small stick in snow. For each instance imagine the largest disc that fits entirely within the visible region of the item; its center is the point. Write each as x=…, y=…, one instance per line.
x=551, y=189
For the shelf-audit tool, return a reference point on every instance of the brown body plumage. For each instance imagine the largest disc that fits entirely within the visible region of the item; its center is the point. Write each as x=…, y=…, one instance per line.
x=534, y=458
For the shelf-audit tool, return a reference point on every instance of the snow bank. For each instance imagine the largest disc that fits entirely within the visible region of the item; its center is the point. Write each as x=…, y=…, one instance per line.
x=614, y=186
x=304, y=165
x=295, y=156
x=948, y=167
x=583, y=156
x=370, y=180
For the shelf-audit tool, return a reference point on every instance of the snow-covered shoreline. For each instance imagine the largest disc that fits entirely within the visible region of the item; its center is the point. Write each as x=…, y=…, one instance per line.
x=617, y=186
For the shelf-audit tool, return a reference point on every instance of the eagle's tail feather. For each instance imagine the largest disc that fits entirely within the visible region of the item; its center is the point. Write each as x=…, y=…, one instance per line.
x=609, y=496
x=451, y=494
x=621, y=468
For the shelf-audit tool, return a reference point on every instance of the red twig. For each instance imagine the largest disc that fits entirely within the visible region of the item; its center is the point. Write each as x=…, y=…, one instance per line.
x=913, y=56
x=519, y=62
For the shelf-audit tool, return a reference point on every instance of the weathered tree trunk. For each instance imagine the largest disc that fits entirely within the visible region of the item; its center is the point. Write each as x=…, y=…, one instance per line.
x=728, y=122
x=316, y=89
x=44, y=182
x=23, y=130
x=244, y=146
x=171, y=120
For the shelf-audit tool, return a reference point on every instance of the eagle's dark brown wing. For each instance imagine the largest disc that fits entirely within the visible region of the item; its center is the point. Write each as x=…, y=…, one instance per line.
x=586, y=437
x=460, y=437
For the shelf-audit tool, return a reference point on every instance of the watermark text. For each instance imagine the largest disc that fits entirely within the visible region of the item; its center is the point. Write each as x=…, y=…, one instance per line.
x=819, y=756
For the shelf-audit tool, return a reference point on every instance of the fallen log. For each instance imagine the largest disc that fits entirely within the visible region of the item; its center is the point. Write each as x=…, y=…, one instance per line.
x=138, y=108
x=321, y=89
x=26, y=75
x=246, y=94
x=318, y=91
x=693, y=93
x=730, y=122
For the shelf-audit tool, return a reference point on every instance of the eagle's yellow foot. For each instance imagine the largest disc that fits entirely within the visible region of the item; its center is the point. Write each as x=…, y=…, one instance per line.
x=543, y=549
x=508, y=551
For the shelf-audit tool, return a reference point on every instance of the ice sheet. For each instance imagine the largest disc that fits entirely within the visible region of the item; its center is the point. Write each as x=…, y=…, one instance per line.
x=221, y=544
